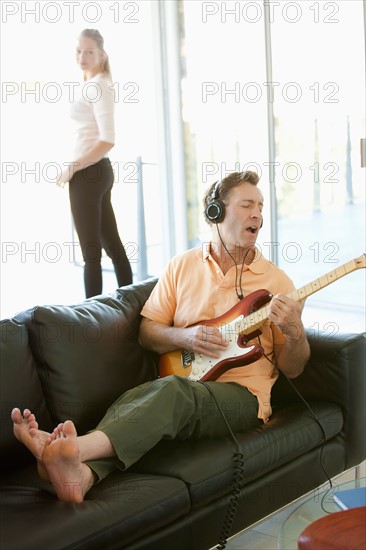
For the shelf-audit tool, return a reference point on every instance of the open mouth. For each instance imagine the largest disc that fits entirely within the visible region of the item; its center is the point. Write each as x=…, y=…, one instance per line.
x=252, y=229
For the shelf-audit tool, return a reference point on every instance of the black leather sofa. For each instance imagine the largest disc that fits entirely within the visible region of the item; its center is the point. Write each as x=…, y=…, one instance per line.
x=73, y=361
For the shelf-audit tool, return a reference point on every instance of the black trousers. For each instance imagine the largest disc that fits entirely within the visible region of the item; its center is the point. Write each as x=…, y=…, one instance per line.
x=95, y=223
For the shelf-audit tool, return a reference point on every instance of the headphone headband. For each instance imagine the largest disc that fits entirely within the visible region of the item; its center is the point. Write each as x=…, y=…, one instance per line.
x=215, y=192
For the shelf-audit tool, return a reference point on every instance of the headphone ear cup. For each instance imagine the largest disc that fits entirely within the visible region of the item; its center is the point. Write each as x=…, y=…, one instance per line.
x=215, y=211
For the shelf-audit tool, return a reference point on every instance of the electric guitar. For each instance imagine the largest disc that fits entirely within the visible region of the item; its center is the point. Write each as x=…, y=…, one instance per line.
x=238, y=326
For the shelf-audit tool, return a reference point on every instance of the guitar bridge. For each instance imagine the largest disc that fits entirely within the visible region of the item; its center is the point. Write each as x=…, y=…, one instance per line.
x=187, y=357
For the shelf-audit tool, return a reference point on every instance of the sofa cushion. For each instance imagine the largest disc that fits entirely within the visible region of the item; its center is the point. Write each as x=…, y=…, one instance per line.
x=87, y=355
x=19, y=387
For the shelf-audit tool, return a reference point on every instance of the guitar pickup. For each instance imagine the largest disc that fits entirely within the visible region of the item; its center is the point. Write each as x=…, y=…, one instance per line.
x=187, y=358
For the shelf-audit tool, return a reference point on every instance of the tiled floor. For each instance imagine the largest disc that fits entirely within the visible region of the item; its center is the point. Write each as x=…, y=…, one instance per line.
x=264, y=535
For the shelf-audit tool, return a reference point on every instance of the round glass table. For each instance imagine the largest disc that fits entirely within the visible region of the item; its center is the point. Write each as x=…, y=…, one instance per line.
x=319, y=504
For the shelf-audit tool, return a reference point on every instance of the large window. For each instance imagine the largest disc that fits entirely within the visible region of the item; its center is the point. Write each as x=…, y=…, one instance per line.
x=274, y=86
x=302, y=65
x=224, y=98
x=39, y=79
x=318, y=53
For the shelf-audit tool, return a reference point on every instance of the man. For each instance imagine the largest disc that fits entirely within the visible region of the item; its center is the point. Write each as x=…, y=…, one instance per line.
x=197, y=286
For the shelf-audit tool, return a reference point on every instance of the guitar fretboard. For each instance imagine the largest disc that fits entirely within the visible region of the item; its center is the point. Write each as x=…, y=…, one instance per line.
x=255, y=320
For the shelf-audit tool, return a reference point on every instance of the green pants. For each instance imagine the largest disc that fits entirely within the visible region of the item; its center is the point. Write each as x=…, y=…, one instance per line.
x=171, y=408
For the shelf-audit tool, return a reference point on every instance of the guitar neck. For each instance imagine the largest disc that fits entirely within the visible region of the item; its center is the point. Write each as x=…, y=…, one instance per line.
x=327, y=279
x=255, y=320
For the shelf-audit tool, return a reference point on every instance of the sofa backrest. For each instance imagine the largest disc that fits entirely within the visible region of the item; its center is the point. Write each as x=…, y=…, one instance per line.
x=72, y=362
x=336, y=372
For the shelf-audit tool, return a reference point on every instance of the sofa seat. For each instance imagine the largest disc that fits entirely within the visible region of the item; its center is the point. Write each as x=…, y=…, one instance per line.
x=122, y=508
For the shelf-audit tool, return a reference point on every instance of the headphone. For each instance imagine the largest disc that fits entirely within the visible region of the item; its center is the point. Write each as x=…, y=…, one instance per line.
x=215, y=209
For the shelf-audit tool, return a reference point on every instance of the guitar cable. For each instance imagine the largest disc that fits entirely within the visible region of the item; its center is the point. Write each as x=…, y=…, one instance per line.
x=314, y=415
x=238, y=459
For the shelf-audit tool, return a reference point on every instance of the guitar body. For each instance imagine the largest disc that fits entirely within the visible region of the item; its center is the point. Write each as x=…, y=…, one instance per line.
x=239, y=325
x=237, y=354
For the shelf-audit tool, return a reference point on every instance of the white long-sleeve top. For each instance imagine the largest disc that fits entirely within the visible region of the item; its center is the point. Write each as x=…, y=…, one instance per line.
x=92, y=115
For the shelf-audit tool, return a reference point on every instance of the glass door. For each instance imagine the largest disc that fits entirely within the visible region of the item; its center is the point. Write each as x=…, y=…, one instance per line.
x=223, y=97
x=318, y=54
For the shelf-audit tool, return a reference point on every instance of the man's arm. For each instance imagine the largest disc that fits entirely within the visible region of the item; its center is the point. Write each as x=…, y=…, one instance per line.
x=163, y=339
x=292, y=356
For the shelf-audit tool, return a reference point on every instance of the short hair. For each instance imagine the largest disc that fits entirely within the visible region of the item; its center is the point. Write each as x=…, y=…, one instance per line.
x=225, y=185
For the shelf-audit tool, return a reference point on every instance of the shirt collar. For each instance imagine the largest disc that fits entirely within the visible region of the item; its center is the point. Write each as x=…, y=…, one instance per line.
x=258, y=265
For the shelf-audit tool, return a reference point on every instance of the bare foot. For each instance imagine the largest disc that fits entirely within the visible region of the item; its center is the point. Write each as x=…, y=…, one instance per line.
x=26, y=430
x=70, y=478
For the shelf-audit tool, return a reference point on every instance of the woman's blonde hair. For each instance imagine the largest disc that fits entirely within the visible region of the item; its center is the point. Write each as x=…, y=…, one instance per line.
x=95, y=35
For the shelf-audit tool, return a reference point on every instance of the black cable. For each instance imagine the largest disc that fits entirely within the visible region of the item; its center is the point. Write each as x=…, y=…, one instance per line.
x=241, y=295
x=238, y=460
x=317, y=421
x=323, y=441
x=238, y=457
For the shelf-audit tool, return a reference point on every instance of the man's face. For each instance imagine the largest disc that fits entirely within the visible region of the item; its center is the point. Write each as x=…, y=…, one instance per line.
x=243, y=216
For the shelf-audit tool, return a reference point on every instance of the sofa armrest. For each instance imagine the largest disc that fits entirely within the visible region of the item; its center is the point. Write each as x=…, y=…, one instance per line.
x=336, y=372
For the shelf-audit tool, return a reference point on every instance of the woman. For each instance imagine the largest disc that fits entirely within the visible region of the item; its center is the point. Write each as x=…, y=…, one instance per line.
x=91, y=175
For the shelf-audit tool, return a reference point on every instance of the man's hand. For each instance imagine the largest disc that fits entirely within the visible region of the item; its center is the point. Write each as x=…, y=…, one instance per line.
x=204, y=339
x=285, y=313
x=292, y=356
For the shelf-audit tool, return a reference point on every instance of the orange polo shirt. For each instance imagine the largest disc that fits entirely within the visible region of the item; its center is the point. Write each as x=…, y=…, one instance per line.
x=193, y=288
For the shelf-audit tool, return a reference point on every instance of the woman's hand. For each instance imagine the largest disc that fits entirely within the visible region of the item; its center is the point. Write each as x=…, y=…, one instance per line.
x=64, y=177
